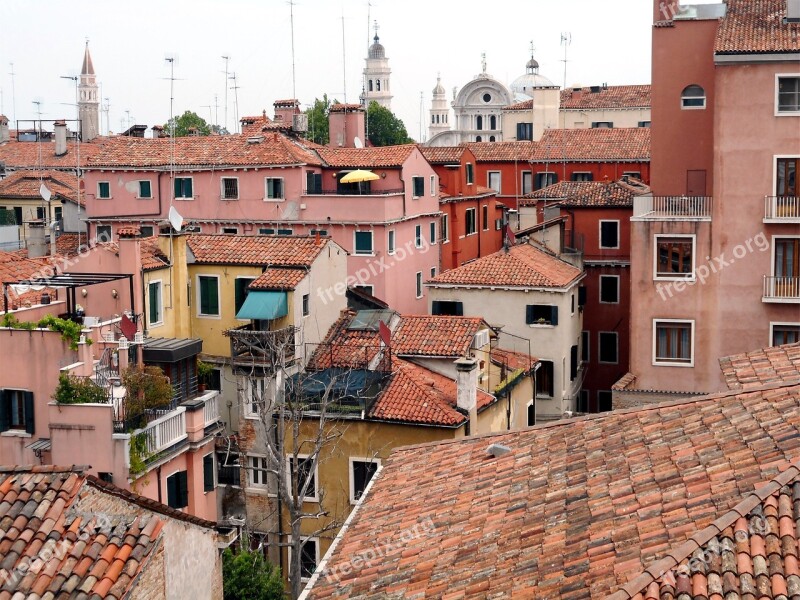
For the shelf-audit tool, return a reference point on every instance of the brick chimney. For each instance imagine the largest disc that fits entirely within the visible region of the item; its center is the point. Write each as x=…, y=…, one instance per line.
x=286, y=109
x=345, y=123
x=61, y=137
x=467, y=390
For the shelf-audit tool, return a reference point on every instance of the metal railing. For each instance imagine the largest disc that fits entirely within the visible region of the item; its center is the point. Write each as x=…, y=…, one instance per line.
x=782, y=288
x=782, y=208
x=388, y=192
x=672, y=207
x=106, y=370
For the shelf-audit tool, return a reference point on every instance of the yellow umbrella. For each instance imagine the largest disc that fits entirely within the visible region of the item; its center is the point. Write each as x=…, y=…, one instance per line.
x=359, y=176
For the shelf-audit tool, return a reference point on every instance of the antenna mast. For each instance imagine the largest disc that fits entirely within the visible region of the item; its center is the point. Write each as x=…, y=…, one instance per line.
x=235, y=89
x=291, y=22
x=344, y=63
x=13, y=96
x=226, y=59
x=172, y=123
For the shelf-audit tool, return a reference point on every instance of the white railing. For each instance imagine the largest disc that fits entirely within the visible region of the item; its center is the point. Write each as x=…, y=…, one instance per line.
x=166, y=431
x=211, y=409
x=672, y=207
x=786, y=289
x=782, y=208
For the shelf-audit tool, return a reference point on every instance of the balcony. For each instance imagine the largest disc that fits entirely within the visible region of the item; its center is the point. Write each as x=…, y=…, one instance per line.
x=672, y=208
x=782, y=209
x=165, y=431
x=253, y=348
x=781, y=289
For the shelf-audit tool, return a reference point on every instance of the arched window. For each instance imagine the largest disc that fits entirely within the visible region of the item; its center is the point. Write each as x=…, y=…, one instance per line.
x=693, y=96
x=437, y=118
x=378, y=85
x=478, y=138
x=493, y=123
x=432, y=120
x=491, y=138
x=479, y=122
x=370, y=85
x=445, y=118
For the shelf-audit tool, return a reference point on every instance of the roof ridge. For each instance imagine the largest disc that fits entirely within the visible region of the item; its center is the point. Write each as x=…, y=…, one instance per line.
x=81, y=469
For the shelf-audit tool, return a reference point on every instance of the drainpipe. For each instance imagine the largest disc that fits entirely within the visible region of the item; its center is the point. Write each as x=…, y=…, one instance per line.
x=158, y=476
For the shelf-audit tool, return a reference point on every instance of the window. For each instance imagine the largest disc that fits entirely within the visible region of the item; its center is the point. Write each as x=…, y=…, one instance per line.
x=433, y=272
x=103, y=189
x=309, y=557
x=361, y=472
x=788, y=94
x=524, y=131
x=433, y=185
x=230, y=230
x=418, y=236
x=103, y=233
x=40, y=213
x=581, y=297
x=146, y=231
x=16, y=410
x=367, y=289
x=673, y=342
x=155, y=307
x=585, y=344
x=485, y=216
x=106, y=476
x=604, y=400
x=609, y=234
x=313, y=183
x=674, y=257
x=609, y=289
x=602, y=125
x=478, y=138
x=786, y=176
x=208, y=290
x=208, y=473
x=145, y=190
x=266, y=231
x=391, y=242
x=527, y=178
x=319, y=232
x=418, y=185
x=541, y=314
x=300, y=468
x=785, y=333
x=240, y=292
x=255, y=396
x=447, y=307
x=432, y=232
x=643, y=124
x=582, y=176
x=786, y=269
x=545, y=178
x=693, y=96
x=445, y=228
x=493, y=178
x=492, y=122
x=305, y=305
x=257, y=471
x=284, y=232
x=470, y=174
x=274, y=189
x=607, y=342
x=183, y=188
x=419, y=284
x=469, y=221
x=228, y=473
x=583, y=401
x=574, y=362
x=363, y=242
x=479, y=122
x=634, y=174
x=545, y=379
x=58, y=213
x=178, y=490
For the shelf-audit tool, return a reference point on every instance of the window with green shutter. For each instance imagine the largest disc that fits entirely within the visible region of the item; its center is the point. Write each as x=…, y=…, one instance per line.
x=209, y=295
x=103, y=189
x=208, y=473
x=145, y=190
x=154, y=302
x=183, y=187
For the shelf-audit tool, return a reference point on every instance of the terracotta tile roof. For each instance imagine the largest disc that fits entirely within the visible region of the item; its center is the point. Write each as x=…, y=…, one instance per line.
x=262, y=250
x=25, y=155
x=612, y=96
x=442, y=155
x=767, y=365
x=67, y=245
x=501, y=151
x=756, y=26
x=255, y=124
x=14, y=267
x=576, y=508
x=522, y=266
x=558, y=191
x=427, y=335
x=279, y=279
x=524, y=105
x=619, y=144
x=592, y=194
x=752, y=548
x=371, y=158
x=480, y=192
x=152, y=256
x=210, y=150
x=513, y=360
x=92, y=555
x=25, y=184
x=341, y=107
x=128, y=231
x=418, y=395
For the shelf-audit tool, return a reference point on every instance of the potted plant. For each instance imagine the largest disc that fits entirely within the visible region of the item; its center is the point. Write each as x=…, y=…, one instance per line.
x=203, y=375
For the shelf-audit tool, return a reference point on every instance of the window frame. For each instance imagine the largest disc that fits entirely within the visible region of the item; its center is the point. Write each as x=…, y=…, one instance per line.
x=160, y=305
x=139, y=195
x=251, y=486
x=542, y=179
x=418, y=282
x=432, y=232
x=467, y=220
x=685, y=98
x=150, y=228
x=499, y=175
x=469, y=172
x=306, y=306
x=213, y=486
x=391, y=242
x=600, y=234
x=529, y=175
x=104, y=227
x=600, y=285
x=27, y=406
x=200, y=314
x=417, y=180
x=532, y=321
x=552, y=387
x=301, y=458
x=433, y=185
x=786, y=113
x=586, y=345
x=371, y=252
x=267, y=197
x=668, y=362
x=485, y=217
x=444, y=228
x=306, y=539
x=776, y=158
x=581, y=176
x=180, y=496
x=674, y=276
x=360, y=459
x=100, y=196
x=602, y=124
x=600, y=335
x=780, y=324
x=191, y=185
x=418, y=235
x=236, y=305
x=247, y=401
x=222, y=191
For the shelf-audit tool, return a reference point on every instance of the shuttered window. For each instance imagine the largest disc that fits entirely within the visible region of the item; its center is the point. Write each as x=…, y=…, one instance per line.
x=209, y=295
x=178, y=490
x=208, y=473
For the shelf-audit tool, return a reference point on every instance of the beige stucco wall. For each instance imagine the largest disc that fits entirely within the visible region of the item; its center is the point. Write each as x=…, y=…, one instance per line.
x=583, y=119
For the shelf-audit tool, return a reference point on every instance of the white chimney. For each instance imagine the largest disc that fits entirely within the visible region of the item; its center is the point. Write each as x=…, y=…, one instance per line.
x=467, y=390
x=4, y=133
x=793, y=11
x=61, y=137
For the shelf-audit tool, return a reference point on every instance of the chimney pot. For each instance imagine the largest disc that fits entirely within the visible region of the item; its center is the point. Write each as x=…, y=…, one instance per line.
x=61, y=137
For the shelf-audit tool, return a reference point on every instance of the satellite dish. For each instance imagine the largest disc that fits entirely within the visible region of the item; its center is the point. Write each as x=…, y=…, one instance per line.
x=45, y=193
x=175, y=219
x=357, y=142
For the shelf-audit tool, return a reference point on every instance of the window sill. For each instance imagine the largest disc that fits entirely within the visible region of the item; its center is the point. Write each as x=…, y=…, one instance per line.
x=658, y=363
x=607, y=302
x=687, y=279
x=228, y=199
x=21, y=433
x=144, y=197
x=363, y=254
x=184, y=199
x=787, y=113
x=274, y=199
x=542, y=325
x=217, y=317
x=260, y=491
x=252, y=417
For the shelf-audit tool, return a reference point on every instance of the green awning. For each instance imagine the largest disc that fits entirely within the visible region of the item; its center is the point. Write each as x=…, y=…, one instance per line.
x=263, y=306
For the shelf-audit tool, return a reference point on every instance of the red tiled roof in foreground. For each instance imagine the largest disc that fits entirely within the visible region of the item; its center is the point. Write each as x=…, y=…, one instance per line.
x=501, y=151
x=618, y=144
x=369, y=158
x=591, y=194
x=523, y=266
x=279, y=279
x=26, y=185
x=277, y=250
x=756, y=27
x=767, y=365
x=577, y=508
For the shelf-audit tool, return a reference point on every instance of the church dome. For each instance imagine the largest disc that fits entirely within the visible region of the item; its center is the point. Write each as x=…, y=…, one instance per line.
x=439, y=89
x=532, y=65
x=525, y=84
x=376, y=50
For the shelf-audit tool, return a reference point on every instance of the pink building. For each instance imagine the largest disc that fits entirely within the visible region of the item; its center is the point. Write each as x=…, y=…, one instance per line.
x=274, y=183
x=715, y=248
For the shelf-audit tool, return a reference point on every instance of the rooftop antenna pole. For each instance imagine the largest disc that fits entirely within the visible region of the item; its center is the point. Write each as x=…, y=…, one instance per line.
x=291, y=22
x=566, y=40
x=226, y=59
x=344, y=62
x=216, y=110
x=107, y=110
x=171, y=61
x=420, y=116
x=13, y=96
x=235, y=89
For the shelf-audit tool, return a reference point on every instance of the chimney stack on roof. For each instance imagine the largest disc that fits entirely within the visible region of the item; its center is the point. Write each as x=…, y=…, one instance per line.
x=467, y=390
x=61, y=137
x=5, y=135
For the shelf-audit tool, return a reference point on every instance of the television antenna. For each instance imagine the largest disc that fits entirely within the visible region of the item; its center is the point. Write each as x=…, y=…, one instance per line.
x=225, y=124
x=13, y=95
x=235, y=89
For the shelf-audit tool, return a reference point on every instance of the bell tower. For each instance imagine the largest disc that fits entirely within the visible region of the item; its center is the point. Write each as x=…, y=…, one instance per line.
x=376, y=74
x=88, y=99
x=440, y=111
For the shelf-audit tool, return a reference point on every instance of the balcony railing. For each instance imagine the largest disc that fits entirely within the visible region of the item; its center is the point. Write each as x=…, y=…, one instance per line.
x=211, y=410
x=672, y=207
x=781, y=289
x=261, y=348
x=782, y=209
x=388, y=192
x=165, y=431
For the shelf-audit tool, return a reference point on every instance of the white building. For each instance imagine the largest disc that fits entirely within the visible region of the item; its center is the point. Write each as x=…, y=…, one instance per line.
x=377, y=74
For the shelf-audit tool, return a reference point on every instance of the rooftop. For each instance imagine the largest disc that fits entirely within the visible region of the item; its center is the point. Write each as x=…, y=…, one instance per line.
x=26, y=184
x=501, y=151
x=609, y=96
x=371, y=158
x=279, y=279
x=582, y=507
x=522, y=266
x=618, y=144
x=26, y=155
x=756, y=27
x=426, y=335
x=592, y=194
x=768, y=365
x=261, y=250
x=442, y=155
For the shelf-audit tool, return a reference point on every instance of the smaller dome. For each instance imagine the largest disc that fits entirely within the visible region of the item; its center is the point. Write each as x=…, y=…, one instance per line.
x=439, y=89
x=532, y=65
x=377, y=50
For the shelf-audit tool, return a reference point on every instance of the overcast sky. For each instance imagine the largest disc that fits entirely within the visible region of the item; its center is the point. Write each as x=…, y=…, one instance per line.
x=44, y=39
